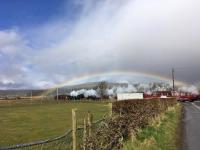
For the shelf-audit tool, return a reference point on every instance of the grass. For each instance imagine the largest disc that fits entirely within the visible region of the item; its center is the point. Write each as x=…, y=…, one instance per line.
x=25, y=121
x=161, y=134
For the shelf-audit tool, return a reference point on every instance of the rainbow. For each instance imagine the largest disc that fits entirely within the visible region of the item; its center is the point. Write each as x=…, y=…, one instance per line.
x=88, y=76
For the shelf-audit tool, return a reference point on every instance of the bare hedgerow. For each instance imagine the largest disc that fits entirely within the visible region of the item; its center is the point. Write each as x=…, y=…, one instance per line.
x=128, y=117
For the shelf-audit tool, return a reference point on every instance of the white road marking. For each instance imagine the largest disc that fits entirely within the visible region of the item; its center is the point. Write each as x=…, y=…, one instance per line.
x=196, y=106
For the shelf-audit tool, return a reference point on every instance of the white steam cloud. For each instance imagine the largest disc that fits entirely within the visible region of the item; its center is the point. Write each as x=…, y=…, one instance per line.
x=189, y=89
x=130, y=88
x=86, y=93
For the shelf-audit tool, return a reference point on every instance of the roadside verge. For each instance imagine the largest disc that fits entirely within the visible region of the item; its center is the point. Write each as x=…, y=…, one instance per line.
x=162, y=133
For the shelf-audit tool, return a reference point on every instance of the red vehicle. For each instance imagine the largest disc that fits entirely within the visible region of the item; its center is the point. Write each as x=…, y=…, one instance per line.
x=158, y=94
x=181, y=96
x=161, y=94
x=188, y=97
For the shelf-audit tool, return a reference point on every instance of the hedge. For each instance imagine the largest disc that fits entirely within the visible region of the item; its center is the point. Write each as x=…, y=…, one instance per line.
x=128, y=116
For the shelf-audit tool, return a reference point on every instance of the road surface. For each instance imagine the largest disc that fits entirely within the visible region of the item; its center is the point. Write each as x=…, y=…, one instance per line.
x=191, y=126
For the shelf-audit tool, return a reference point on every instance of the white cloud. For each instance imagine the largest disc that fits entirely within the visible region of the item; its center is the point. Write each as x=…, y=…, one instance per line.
x=15, y=62
x=11, y=42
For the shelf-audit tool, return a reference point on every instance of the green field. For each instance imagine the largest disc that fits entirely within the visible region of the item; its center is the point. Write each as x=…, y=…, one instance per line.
x=22, y=122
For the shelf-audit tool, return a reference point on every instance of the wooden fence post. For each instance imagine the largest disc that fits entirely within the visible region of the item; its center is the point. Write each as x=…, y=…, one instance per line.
x=120, y=112
x=84, y=133
x=132, y=136
x=91, y=120
x=90, y=117
x=74, y=127
x=110, y=104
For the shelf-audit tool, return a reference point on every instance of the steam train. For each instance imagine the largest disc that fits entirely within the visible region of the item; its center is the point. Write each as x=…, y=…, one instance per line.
x=181, y=96
x=78, y=97
x=159, y=94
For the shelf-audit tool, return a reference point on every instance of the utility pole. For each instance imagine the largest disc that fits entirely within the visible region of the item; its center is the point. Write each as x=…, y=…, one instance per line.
x=57, y=94
x=173, y=88
x=31, y=95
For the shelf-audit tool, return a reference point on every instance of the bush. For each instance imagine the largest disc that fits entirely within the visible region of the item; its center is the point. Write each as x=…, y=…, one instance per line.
x=128, y=116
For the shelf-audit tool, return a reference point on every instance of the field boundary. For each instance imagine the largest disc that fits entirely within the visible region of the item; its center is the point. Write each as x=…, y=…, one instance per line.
x=30, y=144
x=165, y=127
x=128, y=117
x=36, y=142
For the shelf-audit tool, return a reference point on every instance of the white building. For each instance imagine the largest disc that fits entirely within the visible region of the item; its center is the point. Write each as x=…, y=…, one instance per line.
x=129, y=96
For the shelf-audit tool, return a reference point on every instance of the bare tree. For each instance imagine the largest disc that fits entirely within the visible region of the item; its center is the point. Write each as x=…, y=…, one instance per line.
x=102, y=87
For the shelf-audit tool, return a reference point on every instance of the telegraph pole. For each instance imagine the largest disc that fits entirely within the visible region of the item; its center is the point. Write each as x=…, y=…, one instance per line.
x=57, y=94
x=31, y=95
x=173, y=88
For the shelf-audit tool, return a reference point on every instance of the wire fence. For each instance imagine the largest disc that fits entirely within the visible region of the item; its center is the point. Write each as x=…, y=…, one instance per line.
x=63, y=142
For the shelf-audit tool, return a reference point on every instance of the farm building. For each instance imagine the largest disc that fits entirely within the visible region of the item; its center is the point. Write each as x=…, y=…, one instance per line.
x=129, y=96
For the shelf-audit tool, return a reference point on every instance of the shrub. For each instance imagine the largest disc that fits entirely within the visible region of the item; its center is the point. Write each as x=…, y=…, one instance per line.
x=128, y=116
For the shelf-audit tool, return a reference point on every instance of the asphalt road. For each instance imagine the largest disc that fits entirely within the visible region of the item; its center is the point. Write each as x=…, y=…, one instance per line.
x=191, y=126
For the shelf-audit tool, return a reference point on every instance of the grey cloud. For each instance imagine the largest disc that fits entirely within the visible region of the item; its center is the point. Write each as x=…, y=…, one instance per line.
x=151, y=36
x=139, y=35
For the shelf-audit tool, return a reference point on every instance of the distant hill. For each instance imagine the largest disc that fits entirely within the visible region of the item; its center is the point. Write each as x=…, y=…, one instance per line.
x=62, y=90
x=21, y=92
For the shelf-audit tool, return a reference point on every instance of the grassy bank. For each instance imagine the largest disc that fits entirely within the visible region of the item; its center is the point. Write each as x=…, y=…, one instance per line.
x=160, y=134
x=25, y=121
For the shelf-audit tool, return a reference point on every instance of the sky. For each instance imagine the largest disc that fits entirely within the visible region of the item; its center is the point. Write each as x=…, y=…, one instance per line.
x=48, y=42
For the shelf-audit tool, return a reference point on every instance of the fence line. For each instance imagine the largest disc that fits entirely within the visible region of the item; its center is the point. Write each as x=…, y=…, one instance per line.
x=69, y=132
x=36, y=142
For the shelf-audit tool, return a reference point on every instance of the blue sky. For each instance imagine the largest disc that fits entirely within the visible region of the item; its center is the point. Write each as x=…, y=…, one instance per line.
x=31, y=13
x=27, y=13
x=47, y=42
